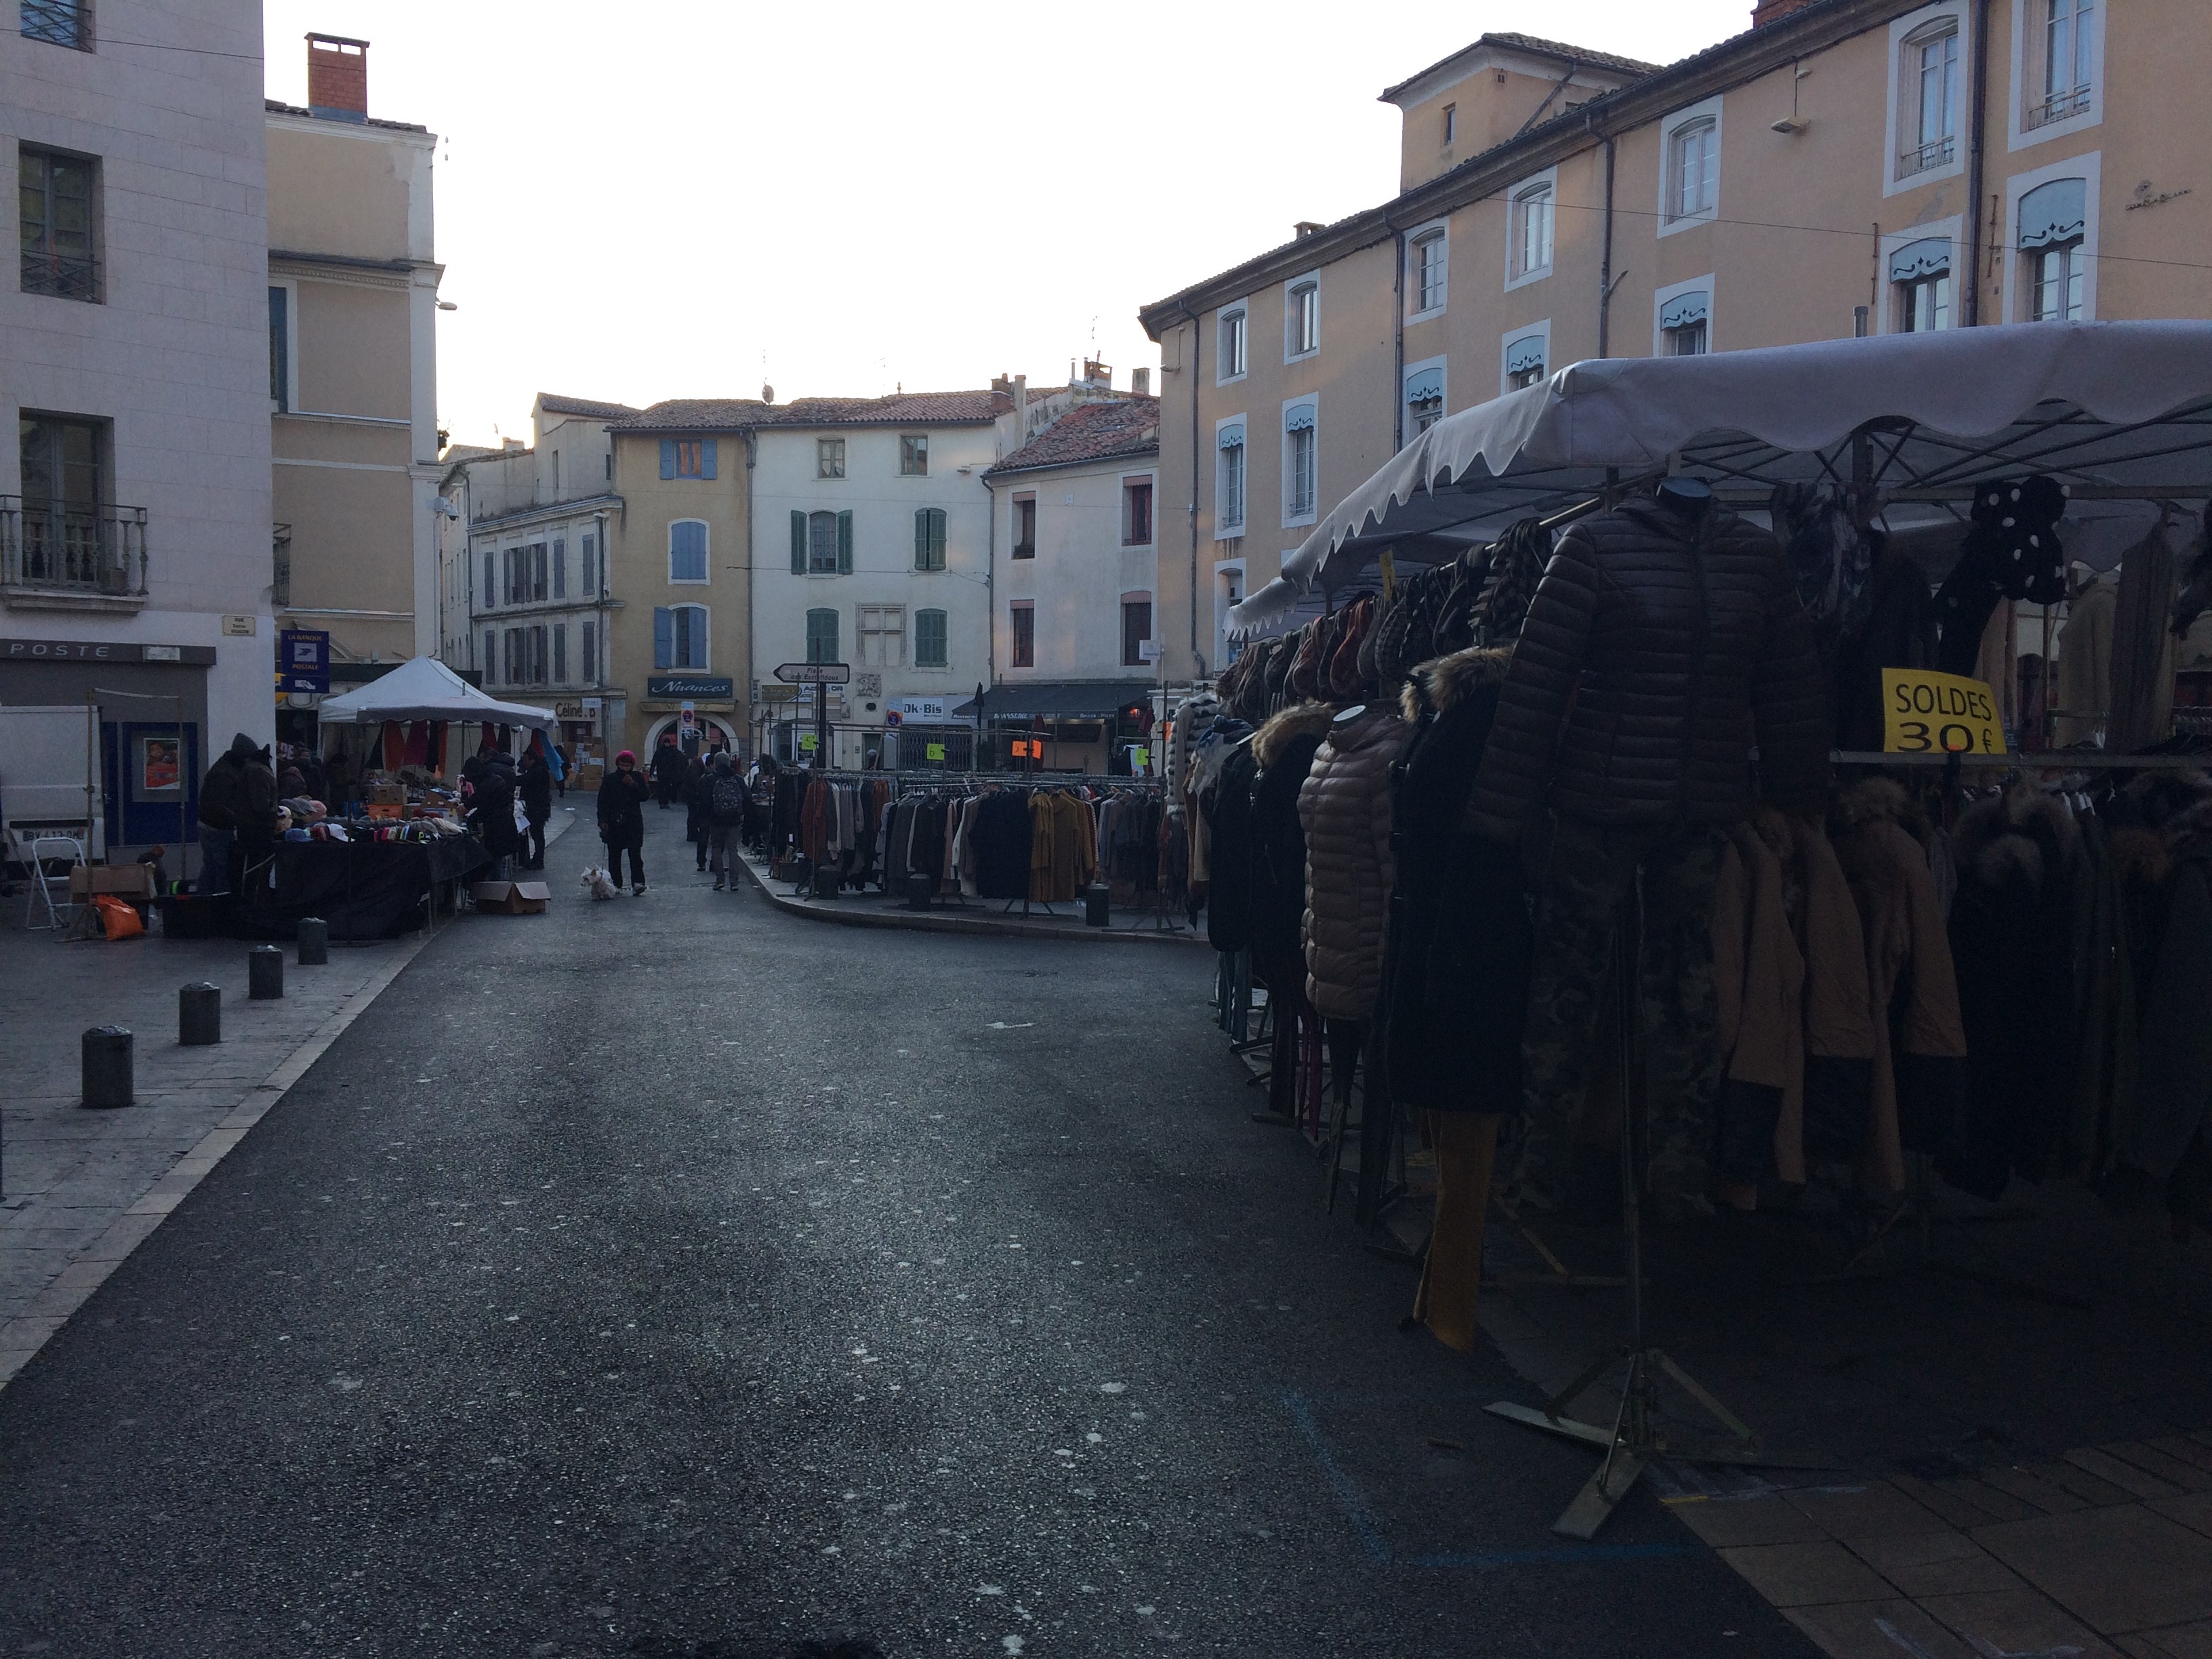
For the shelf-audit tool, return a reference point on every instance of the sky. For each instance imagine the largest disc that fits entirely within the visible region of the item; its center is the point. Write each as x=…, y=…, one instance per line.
x=840, y=201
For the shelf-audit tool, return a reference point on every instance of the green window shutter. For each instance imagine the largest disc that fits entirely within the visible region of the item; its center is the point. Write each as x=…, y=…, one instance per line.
x=798, y=542
x=845, y=544
x=921, y=539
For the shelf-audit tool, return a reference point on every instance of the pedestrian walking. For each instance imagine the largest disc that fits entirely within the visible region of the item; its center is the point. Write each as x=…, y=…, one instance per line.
x=622, y=819
x=698, y=801
x=725, y=819
x=534, y=786
x=668, y=770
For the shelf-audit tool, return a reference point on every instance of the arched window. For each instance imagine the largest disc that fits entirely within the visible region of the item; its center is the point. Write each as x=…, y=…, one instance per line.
x=821, y=544
x=687, y=550
x=929, y=538
x=2053, y=221
x=679, y=636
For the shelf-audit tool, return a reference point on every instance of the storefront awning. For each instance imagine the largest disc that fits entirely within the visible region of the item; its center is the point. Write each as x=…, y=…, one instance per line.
x=1057, y=700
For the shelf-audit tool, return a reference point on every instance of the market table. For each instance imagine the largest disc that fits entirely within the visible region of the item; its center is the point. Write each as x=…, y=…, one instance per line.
x=362, y=888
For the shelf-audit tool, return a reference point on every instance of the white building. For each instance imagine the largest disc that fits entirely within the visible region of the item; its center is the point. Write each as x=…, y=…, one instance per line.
x=135, y=508
x=1076, y=511
x=525, y=590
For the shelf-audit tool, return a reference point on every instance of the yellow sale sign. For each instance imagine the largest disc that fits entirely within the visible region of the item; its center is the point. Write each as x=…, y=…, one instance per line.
x=1924, y=713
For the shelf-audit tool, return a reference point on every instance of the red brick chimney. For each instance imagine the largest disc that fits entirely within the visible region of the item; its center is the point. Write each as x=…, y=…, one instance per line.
x=337, y=77
x=1765, y=11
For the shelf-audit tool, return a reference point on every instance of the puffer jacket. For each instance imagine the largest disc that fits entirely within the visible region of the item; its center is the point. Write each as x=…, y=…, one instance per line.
x=1283, y=750
x=1344, y=809
x=1656, y=652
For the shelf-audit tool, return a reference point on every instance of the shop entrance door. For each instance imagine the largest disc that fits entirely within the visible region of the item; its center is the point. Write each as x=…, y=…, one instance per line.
x=153, y=783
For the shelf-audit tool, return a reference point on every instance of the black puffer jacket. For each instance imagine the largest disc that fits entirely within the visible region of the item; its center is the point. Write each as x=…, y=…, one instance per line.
x=1656, y=652
x=1283, y=750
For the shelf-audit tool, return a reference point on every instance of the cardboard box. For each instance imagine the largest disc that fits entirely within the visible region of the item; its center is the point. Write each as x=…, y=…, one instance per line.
x=512, y=898
x=383, y=811
x=132, y=881
x=389, y=793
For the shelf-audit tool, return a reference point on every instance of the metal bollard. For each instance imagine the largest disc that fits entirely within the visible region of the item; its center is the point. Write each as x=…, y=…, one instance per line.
x=199, y=1015
x=826, y=882
x=264, y=974
x=106, y=1054
x=1095, y=913
x=314, y=942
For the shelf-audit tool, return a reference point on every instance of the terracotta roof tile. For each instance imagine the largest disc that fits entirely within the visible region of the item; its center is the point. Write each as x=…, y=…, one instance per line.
x=1091, y=432
x=554, y=404
x=738, y=414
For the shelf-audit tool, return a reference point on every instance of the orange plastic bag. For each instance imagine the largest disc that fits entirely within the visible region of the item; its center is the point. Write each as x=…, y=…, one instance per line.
x=118, y=917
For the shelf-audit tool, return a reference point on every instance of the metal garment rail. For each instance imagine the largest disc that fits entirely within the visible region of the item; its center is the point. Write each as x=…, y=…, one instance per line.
x=2038, y=760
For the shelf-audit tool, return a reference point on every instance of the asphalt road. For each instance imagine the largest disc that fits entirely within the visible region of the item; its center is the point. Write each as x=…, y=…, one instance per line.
x=669, y=1276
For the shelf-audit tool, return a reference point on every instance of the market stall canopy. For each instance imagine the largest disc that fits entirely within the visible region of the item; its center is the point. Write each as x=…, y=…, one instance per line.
x=424, y=688
x=2124, y=408
x=1057, y=700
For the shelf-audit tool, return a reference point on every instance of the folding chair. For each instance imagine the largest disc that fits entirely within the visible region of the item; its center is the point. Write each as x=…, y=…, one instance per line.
x=41, y=894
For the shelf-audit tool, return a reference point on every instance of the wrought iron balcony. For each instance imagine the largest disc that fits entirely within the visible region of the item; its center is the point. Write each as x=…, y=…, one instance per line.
x=63, y=275
x=97, y=552
x=63, y=22
x=1935, y=153
x=2068, y=100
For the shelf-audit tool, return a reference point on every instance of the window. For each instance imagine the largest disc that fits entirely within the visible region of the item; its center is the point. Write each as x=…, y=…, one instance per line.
x=561, y=654
x=491, y=581
x=913, y=455
x=1524, y=360
x=1694, y=169
x=588, y=583
x=489, y=674
x=687, y=550
x=822, y=636
x=510, y=662
x=690, y=458
x=1429, y=253
x=279, y=576
x=821, y=544
x=1920, y=275
x=828, y=458
x=2053, y=223
x=679, y=636
x=1302, y=319
x=1425, y=398
x=588, y=658
x=2063, y=39
x=539, y=664
x=1025, y=525
x=1534, y=213
x=538, y=587
x=929, y=639
x=882, y=635
x=280, y=347
x=929, y=538
x=1136, y=511
x=1229, y=482
x=1299, y=481
x=556, y=474
x=1451, y=125
x=1233, y=343
x=54, y=194
x=61, y=22
x=1931, y=98
x=560, y=568
x=1021, y=614
x=1136, y=630
x=1685, y=324
x=68, y=538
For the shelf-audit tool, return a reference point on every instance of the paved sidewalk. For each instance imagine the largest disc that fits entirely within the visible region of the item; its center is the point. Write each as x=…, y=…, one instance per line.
x=80, y=1190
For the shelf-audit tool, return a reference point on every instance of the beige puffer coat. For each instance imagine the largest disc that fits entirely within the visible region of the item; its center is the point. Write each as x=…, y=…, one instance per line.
x=1345, y=808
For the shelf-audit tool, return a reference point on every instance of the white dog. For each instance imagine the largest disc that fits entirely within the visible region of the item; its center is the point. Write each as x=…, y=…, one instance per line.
x=598, y=883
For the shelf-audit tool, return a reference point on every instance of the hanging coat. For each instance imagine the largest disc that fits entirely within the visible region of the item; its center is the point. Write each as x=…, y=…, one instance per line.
x=1758, y=982
x=1344, y=809
x=1283, y=750
x=1460, y=942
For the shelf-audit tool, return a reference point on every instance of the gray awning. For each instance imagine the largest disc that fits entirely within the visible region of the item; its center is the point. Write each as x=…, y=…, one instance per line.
x=1058, y=699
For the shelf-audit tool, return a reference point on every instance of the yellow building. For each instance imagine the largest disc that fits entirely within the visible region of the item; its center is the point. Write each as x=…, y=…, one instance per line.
x=353, y=297
x=1843, y=166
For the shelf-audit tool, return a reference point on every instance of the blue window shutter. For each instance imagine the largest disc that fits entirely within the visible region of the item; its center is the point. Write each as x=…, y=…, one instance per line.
x=668, y=458
x=707, y=461
x=798, y=542
x=664, y=636
x=845, y=544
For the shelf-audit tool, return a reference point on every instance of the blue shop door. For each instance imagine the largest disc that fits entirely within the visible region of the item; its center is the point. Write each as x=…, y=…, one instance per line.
x=147, y=780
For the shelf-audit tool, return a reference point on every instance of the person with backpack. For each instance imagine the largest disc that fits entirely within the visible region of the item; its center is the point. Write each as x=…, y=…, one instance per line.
x=725, y=819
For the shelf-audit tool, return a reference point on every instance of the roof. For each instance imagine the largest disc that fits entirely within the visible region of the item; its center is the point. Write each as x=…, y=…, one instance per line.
x=275, y=107
x=553, y=403
x=742, y=414
x=1528, y=43
x=1091, y=432
x=1075, y=699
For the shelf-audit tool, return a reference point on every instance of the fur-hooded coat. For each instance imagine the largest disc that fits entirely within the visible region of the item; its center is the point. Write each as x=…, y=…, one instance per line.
x=1283, y=750
x=1460, y=944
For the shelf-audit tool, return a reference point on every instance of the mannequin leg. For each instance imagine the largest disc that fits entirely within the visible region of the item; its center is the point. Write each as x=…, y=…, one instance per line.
x=1680, y=1017
x=1466, y=1145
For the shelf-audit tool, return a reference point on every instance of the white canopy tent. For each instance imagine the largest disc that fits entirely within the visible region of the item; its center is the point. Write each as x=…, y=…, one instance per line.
x=424, y=688
x=2118, y=410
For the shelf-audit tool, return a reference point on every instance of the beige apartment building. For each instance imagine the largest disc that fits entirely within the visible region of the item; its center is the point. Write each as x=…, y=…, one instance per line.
x=353, y=299
x=1843, y=166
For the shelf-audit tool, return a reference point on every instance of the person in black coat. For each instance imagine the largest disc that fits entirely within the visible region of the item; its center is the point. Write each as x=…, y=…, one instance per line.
x=698, y=806
x=491, y=813
x=670, y=768
x=622, y=819
x=535, y=787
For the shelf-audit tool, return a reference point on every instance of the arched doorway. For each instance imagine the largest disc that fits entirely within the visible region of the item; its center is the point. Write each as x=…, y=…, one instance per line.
x=669, y=723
